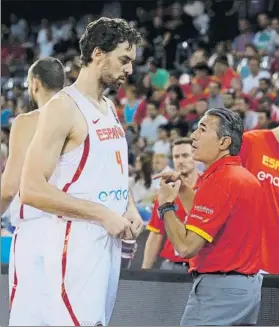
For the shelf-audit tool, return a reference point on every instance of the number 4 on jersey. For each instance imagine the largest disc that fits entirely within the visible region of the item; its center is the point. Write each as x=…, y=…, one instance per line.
x=119, y=160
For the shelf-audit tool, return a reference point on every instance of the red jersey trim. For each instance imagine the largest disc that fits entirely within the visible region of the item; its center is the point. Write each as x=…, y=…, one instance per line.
x=76, y=176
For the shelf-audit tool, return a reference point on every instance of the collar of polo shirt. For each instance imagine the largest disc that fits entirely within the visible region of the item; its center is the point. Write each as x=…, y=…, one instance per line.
x=228, y=160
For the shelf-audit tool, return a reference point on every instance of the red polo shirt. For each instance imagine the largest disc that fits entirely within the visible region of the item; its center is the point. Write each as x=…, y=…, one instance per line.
x=157, y=226
x=226, y=213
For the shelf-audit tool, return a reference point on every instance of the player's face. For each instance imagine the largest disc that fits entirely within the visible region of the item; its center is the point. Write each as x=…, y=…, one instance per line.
x=117, y=65
x=32, y=101
x=183, y=158
x=207, y=146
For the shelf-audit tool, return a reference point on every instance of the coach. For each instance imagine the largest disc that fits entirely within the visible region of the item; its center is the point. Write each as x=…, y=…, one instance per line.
x=222, y=232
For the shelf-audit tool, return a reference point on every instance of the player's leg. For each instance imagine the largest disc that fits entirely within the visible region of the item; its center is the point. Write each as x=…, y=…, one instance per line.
x=80, y=296
x=113, y=277
x=26, y=282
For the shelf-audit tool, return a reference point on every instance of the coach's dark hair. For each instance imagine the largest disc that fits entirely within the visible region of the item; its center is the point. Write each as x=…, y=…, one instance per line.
x=230, y=124
x=106, y=34
x=50, y=72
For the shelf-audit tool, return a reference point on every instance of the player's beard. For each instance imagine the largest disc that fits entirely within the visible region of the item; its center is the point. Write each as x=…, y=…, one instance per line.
x=108, y=81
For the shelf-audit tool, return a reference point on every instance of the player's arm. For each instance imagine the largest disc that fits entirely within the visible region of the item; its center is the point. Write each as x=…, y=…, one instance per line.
x=20, y=138
x=55, y=124
x=155, y=239
x=152, y=249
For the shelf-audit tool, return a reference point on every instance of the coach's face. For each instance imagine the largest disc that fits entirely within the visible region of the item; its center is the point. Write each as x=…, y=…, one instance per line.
x=207, y=146
x=117, y=65
x=182, y=155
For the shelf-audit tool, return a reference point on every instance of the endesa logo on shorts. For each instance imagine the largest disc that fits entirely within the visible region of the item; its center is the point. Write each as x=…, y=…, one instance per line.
x=263, y=176
x=113, y=195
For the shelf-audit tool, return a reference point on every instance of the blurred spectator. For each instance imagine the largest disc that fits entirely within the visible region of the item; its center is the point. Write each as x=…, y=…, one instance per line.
x=199, y=56
x=250, y=117
x=7, y=111
x=251, y=83
x=224, y=73
x=264, y=89
x=263, y=119
x=243, y=67
x=201, y=107
x=229, y=97
x=160, y=163
x=265, y=103
x=172, y=113
x=221, y=50
x=141, y=184
x=131, y=105
x=158, y=77
x=275, y=28
x=245, y=37
x=202, y=75
x=274, y=68
x=264, y=38
x=151, y=123
x=174, y=93
x=215, y=99
x=162, y=145
x=4, y=156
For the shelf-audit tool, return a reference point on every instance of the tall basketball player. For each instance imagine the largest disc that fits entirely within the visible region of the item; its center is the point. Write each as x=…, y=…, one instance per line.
x=26, y=276
x=80, y=140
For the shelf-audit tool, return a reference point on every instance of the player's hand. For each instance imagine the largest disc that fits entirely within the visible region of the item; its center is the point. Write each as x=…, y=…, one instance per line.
x=137, y=223
x=168, y=191
x=118, y=226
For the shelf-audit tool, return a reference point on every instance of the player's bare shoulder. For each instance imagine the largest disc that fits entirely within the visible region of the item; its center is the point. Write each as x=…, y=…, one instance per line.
x=25, y=124
x=64, y=110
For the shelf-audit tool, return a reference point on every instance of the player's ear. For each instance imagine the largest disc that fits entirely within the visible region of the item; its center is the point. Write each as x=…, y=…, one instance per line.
x=97, y=54
x=36, y=84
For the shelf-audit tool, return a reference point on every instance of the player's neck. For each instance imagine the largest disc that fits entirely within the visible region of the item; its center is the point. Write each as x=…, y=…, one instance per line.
x=89, y=84
x=44, y=98
x=276, y=133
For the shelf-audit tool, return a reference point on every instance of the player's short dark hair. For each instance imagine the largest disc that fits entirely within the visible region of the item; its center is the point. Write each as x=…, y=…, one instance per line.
x=182, y=140
x=230, y=124
x=106, y=33
x=50, y=72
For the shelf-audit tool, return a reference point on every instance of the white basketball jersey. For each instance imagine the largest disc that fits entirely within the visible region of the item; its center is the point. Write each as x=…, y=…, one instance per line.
x=20, y=212
x=98, y=169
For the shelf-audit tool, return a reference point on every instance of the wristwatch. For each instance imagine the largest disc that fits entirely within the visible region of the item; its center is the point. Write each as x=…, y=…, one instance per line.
x=164, y=208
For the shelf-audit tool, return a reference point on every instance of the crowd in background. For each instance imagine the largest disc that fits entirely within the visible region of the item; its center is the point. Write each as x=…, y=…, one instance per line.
x=178, y=75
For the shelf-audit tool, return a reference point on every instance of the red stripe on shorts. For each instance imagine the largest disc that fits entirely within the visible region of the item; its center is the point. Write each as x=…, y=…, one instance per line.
x=68, y=230
x=64, y=264
x=21, y=212
x=15, y=277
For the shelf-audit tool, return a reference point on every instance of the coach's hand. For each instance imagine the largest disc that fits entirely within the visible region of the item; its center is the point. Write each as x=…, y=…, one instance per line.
x=137, y=223
x=172, y=177
x=118, y=226
x=168, y=191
